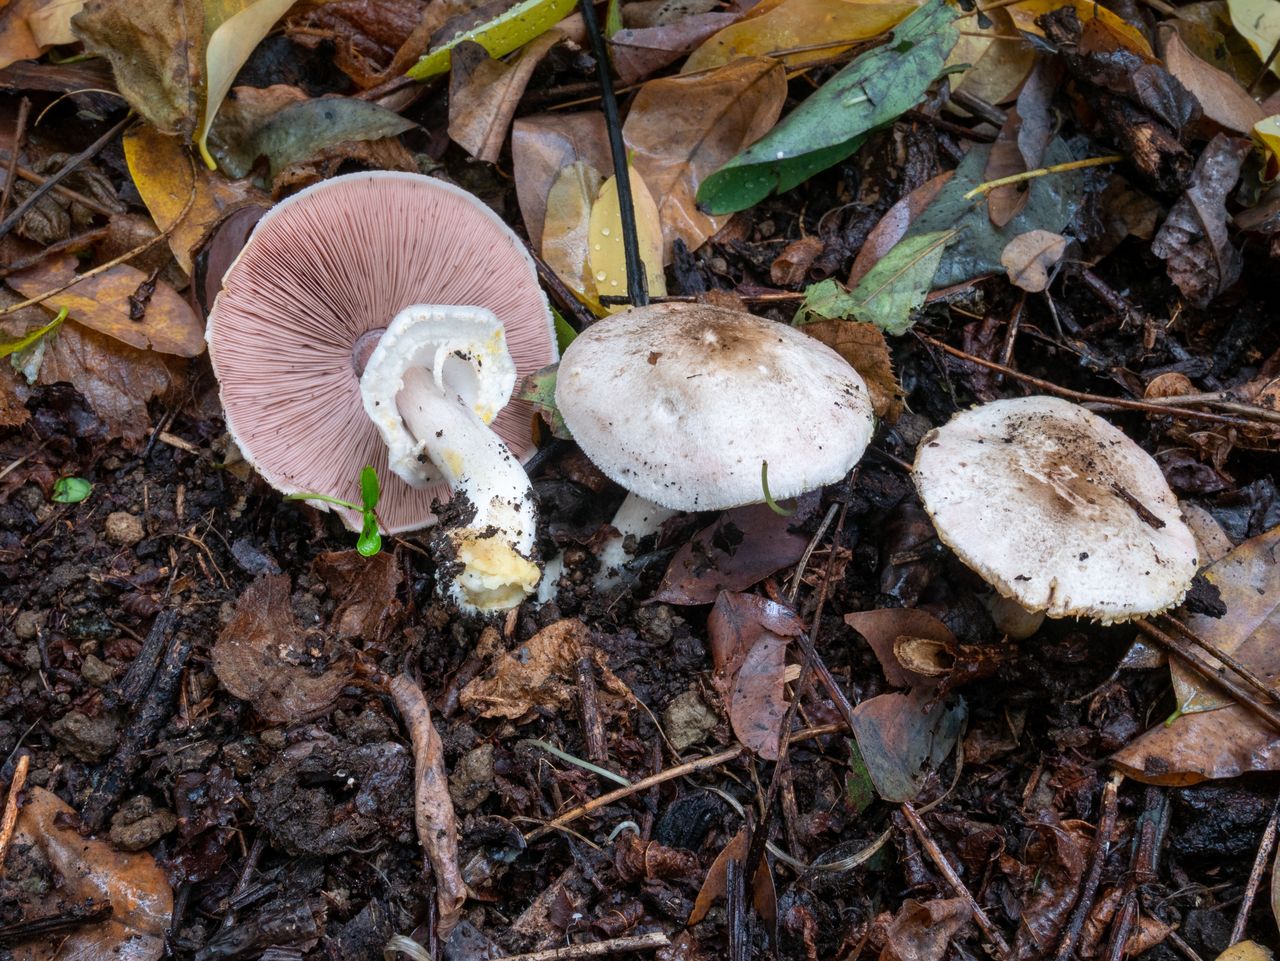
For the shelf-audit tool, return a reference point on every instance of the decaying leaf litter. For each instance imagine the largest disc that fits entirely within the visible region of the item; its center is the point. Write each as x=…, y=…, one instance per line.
x=229, y=734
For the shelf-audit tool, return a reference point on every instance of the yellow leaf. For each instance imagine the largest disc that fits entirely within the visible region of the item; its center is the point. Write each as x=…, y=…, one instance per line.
x=1024, y=17
x=566, y=227
x=605, y=258
x=162, y=172
x=233, y=29
x=29, y=27
x=1266, y=133
x=835, y=24
x=998, y=64
x=506, y=32
x=1258, y=21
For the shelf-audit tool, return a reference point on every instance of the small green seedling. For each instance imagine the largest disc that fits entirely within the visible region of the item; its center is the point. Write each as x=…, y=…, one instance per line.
x=71, y=490
x=370, y=541
x=768, y=498
x=8, y=347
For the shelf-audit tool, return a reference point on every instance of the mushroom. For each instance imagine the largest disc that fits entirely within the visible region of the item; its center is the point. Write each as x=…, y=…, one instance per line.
x=423, y=290
x=1058, y=510
x=683, y=404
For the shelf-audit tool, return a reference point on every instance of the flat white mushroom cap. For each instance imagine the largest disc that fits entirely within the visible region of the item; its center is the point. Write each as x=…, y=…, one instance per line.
x=681, y=403
x=1057, y=509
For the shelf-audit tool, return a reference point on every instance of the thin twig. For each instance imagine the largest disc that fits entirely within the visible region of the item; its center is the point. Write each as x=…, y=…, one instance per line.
x=66, y=193
x=637, y=288
x=985, y=188
x=9, y=820
x=1101, y=847
x=943, y=865
x=1080, y=397
x=66, y=170
x=1260, y=863
x=1266, y=65
x=1259, y=685
x=596, y=949
x=19, y=134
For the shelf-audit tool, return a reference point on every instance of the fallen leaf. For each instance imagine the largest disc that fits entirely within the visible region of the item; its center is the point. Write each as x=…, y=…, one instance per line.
x=161, y=171
x=1193, y=240
x=101, y=302
x=541, y=673
x=116, y=380
x=864, y=347
x=89, y=872
x=606, y=263
x=484, y=94
x=640, y=52
x=714, y=884
x=922, y=930
x=154, y=52
x=508, y=31
x=1211, y=745
x=232, y=29
x=369, y=37
x=433, y=807
x=873, y=90
x=566, y=226
x=904, y=737
x=1046, y=880
x=50, y=22
x=541, y=147
x=1029, y=258
x=995, y=59
x=892, y=227
x=883, y=629
x=749, y=635
x=264, y=656
x=743, y=547
x=838, y=24
x=660, y=13
x=29, y=27
x=1221, y=97
x=1026, y=13
x=1005, y=160
x=363, y=590
x=1258, y=21
x=791, y=267
x=680, y=129
x=1248, y=580
x=1266, y=134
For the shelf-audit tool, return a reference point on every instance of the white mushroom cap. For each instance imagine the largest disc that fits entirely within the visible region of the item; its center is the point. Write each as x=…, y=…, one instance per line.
x=681, y=403
x=1056, y=509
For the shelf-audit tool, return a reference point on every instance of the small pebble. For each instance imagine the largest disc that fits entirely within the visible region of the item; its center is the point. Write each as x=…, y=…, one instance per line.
x=124, y=529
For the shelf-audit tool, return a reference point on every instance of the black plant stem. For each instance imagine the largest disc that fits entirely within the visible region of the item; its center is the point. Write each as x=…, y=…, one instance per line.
x=637, y=289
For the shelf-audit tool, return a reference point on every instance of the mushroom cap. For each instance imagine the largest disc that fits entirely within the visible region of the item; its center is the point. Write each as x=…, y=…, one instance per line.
x=322, y=275
x=1057, y=509
x=681, y=403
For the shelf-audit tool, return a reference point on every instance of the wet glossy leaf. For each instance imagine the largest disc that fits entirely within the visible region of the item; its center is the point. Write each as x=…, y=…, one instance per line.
x=566, y=226
x=836, y=24
x=71, y=490
x=606, y=263
x=509, y=31
x=873, y=90
x=484, y=94
x=1258, y=21
x=364, y=591
x=680, y=129
x=542, y=146
x=1029, y=258
x=905, y=736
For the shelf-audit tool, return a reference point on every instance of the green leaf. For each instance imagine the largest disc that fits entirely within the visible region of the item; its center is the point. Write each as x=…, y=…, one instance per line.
x=369, y=492
x=71, y=490
x=857, y=785
x=370, y=541
x=8, y=347
x=506, y=32
x=565, y=334
x=871, y=91
x=540, y=390
x=612, y=19
x=324, y=498
x=891, y=291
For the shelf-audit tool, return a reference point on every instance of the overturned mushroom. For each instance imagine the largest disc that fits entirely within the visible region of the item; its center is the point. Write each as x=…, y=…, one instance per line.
x=1058, y=510
x=682, y=405
x=423, y=290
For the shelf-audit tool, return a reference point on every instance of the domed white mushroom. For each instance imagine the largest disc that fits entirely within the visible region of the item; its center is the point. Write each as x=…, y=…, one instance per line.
x=682, y=404
x=1056, y=509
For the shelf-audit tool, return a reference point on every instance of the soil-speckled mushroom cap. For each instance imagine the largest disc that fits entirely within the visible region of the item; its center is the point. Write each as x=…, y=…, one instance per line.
x=302, y=307
x=681, y=403
x=1057, y=509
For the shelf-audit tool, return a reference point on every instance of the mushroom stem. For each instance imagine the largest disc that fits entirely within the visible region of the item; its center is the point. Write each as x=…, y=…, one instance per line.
x=637, y=518
x=493, y=551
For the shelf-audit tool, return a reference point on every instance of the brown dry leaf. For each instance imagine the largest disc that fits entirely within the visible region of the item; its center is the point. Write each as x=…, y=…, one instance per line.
x=641, y=52
x=566, y=226
x=88, y=871
x=264, y=657
x=865, y=348
x=1246, y=951
x=744, y=546
x=749, y=636
x=364, y=589
x=791, y=267
x=892, y=227
x=116, y=380
x=541, y=673
x=161, y=168
x=1199, y=747
x=1029, y=258
x=1248, y=580
x=883, y=629
x=903, y=737
x=682, y=129
x=169, y=326
x=484, y=93
x=1221, y=97
x=433, y=807
x=1004, y=160
x=922, y=930
x=713, y=885
x=365, y=33
x=154, y=50
x=30, y=27
x=999, y=63
x=1046, y=881
x=541, y=147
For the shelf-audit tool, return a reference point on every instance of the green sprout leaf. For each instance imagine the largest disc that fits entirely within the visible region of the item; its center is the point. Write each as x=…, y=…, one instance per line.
x=369, y=491
x=9, y=347
x=564, y=332
x=370, y=541
x=71, y=490
x=539, y=389
x=768, y=498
